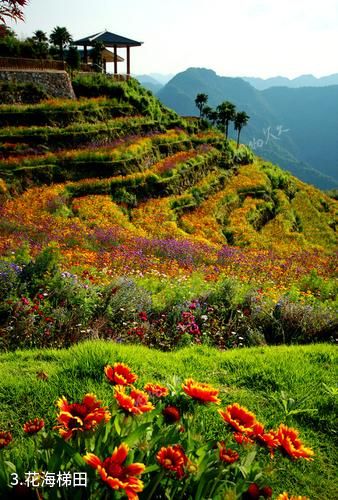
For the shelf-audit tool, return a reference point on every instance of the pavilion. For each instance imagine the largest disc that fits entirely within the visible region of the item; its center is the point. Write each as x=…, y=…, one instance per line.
x=108, y=39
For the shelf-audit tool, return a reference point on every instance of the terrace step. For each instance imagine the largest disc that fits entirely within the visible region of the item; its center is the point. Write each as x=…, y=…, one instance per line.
x=136, y=155
x=81, y=134
x=151, y=183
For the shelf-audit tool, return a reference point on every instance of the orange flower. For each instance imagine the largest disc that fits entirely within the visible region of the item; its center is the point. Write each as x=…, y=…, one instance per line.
x=117, y=475
x=120, y=374
x=242, y=438
x=5, y=439
x=173, y=458
x=33, y=426
x=285, y=496
x=204, y=393
x=269, y=439
x=291, y=444
x=80, y=417
x=239, y=417
x=227, y=455
x=136, y=402
x=156, y=390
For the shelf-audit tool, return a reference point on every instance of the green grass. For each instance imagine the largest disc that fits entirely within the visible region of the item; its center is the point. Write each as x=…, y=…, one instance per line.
x=253, y=377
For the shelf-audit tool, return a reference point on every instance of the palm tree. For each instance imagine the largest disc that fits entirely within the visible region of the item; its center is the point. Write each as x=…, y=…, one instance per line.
x=61, y=38
x=226, y=114
x=200, y=101
x=212, y=115
x=40, y=36
x=241, y=119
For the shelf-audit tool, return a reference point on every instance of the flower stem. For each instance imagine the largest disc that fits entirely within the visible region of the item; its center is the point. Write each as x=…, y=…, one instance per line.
x=156, y=483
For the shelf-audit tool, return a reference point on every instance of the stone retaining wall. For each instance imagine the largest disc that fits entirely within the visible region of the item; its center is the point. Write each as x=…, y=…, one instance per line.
x=56, y=83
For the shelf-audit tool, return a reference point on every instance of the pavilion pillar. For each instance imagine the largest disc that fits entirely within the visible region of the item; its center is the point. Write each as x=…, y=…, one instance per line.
x=85, y=54
x=128, y=62
x=115, y=60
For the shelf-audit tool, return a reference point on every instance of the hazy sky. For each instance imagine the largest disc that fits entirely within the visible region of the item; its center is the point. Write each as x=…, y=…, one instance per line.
x=234, y=37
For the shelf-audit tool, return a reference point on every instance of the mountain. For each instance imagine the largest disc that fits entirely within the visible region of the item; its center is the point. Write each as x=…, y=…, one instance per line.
x=300, y=81
x=295, y=128
x=149, y=83
x=162, y=78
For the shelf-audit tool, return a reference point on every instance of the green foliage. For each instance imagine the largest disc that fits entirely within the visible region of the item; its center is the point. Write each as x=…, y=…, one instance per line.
x=325, y=289
x=129, y=91
x=243, y=156
x=73, y=58
x=247, y=375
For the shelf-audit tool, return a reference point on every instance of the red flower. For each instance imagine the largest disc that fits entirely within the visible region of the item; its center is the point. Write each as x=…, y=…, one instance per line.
x=226, y=454
x=194, y=329
x=204, y=393
x=254, y=492
x=171, y=414
x=79, y=417
x=117, y=475
x=156, y=390
x=33, y=426
x=5, y=439
x=239, y=418
x=143, y=316
x=266, y=492
x=173, y=458
x=136, y=330
x=137, y=402
x=291, y=444
x=120, y=374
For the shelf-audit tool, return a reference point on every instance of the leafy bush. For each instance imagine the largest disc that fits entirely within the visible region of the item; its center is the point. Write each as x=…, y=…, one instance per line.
x=325, y=289
x=242, y=156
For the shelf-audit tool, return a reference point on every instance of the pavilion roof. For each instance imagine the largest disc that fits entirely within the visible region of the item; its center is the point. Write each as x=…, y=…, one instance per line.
x=106, y=54
x=108, y=39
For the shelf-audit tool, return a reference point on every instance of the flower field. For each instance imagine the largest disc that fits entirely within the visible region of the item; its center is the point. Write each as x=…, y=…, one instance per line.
x=127, y=226
x=148, y=427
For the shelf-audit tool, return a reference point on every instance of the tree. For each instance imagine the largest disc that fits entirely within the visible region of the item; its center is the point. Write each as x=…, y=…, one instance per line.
x=73, y=58
x=40, y=36
x=241, y=119
x=60, y=37
x=200, y=101
x=212, y=115
x=12, y=9
x=96, y=54
x=226, y=114
x=39, y=42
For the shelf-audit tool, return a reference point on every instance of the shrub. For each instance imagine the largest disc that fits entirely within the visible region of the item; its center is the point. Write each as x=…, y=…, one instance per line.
x=242, y=156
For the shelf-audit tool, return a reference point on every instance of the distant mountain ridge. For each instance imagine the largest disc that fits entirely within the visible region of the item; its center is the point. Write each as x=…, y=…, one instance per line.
x=299, y=81
x=294, y=127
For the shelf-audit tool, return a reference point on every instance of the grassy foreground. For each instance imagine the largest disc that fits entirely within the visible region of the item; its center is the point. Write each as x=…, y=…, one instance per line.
x=253, y=377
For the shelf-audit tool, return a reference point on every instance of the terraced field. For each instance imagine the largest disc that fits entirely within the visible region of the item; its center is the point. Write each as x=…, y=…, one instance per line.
x=122, y=221
x=125, y=187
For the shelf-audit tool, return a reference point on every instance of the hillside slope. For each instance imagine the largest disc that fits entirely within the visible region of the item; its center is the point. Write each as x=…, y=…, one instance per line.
x=292, y=127
x=120, y=193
